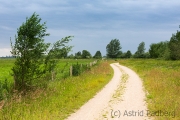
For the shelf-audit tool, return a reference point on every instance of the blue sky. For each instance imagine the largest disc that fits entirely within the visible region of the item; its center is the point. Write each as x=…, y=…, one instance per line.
x=94, y=23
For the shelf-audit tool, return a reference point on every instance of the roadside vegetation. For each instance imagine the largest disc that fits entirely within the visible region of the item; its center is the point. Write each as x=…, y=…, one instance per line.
x=60, y=98
x=162, y=82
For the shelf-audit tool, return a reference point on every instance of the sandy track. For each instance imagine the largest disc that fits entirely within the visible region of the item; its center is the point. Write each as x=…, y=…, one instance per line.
x=122, y=98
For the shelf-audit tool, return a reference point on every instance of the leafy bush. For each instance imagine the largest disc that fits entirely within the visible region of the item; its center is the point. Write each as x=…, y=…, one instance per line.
x=77, y=69
x=4, y=89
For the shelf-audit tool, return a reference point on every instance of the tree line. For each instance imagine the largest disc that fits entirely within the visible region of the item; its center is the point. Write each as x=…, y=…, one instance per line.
x=36, y=59
x=168, y=50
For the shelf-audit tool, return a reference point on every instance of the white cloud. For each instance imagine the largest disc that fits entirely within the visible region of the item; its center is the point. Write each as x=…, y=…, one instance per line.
x=5, y=52
x=6, y=28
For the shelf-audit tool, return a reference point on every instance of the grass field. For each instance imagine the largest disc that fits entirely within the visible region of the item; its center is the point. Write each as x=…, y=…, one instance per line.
x=62, y=67
x=5, y=69
x=61, y=97
x=6, y=80
x=162, y=82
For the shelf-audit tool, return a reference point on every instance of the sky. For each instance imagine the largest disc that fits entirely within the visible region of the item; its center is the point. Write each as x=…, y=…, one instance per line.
x=94, y=23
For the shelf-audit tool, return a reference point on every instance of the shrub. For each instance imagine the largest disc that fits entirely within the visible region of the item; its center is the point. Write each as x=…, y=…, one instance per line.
x=77, y=69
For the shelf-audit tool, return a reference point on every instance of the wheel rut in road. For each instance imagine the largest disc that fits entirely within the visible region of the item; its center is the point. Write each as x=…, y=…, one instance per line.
x=123, y=98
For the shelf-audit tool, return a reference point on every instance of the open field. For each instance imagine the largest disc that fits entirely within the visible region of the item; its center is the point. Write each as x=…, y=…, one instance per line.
x=61, y=97
x=61, y=72
x=62, y=67
x=5, y=69
x=162, y=82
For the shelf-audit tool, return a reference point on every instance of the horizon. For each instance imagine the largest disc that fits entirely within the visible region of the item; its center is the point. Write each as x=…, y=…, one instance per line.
x=94, y=23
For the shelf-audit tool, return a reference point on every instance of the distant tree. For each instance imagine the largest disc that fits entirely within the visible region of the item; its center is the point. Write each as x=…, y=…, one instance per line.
x=128, y=54
x=71, y=56
x=157, y=50
x=113, y=48
x=140, y=53
x=78, y=55
x=174, y=46
x=124, y=54
x=147, y=55
x=86, y=54
x=120, y=54
x=97, y=55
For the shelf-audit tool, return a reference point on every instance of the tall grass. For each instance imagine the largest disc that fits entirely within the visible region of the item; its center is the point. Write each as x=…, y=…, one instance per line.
x=6, y=80
x=162, y=82
x=61, y=97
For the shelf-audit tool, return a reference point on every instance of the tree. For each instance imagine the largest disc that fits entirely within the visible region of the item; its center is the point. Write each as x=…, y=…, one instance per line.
x=56, y=51
x=128, y=54
x=71, y=56
x=157, y=50
x=59, y=49
x=29, y=49
x=125, y=54
x=78, y=55
x=174, y=46
x=113, y=48
x=97, y=55
x=86, y=54
x=140, y=53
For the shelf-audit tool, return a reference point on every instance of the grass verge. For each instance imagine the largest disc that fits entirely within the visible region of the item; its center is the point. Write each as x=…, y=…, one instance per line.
x=61, y=97
x=162, y=82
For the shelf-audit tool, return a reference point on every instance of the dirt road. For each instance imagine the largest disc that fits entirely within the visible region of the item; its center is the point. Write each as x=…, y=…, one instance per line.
x=123, y=98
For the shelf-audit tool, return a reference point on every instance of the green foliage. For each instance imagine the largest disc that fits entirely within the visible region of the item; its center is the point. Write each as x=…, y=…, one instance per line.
x=77, y=69
x=127, y=54
x=6, y=80
x=28, y=49
x=174, y=46
x=86, y=54
x=97, y=55
x=71, y=56
x=60, y=49
x=159, y=50
x=61, y=97
x=78, y=55
x=140, y=53
x=113, y=48
x=4, y=89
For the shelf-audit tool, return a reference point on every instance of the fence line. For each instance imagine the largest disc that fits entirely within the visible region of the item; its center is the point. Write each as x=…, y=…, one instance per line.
x=88, y=65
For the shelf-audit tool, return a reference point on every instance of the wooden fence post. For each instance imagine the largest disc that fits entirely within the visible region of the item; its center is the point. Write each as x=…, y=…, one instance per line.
x=52, y=75
x=71, y=69
x=90, y=64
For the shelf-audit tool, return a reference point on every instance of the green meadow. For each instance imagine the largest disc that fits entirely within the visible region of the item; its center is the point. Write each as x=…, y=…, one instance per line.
x=60, y=97
x=161, y=80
